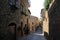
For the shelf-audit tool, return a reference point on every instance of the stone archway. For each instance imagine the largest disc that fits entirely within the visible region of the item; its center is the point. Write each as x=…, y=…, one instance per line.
x=12, y=31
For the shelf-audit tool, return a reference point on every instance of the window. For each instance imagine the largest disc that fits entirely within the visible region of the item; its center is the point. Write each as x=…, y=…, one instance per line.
x=29, y=2
x=22, y=9
x=13, y=4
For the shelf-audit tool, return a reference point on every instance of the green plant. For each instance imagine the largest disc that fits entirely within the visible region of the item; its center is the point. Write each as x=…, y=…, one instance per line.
x=46, y=4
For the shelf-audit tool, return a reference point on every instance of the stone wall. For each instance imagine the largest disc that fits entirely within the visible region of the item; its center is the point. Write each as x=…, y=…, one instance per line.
x=54, y=21
x=46, y=23
x=33, y=23
x=8, y=16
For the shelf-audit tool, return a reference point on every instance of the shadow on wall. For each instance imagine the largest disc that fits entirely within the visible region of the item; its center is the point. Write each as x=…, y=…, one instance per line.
x=46, y=35
x=26, y=29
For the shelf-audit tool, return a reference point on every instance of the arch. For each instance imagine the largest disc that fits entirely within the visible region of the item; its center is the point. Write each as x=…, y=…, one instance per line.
x=12, y=30
x=11, y=24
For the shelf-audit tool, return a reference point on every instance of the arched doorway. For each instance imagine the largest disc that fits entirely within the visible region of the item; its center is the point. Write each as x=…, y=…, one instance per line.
x=12, y=31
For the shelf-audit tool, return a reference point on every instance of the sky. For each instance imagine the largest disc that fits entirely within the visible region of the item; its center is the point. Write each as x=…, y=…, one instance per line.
x=35, y=7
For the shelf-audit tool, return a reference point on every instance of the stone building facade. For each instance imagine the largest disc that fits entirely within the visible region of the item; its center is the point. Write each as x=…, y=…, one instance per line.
x=45, y=23
x=33, y=23
x=24, y=20
x=54, y=20
x=11, y=14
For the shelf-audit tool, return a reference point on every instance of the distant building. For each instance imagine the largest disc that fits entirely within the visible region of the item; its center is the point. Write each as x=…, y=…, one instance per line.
x=43, y=14
x=33, y=23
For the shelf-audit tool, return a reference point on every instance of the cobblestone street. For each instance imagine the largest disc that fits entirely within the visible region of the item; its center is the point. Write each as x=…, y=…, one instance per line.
x=33, y=36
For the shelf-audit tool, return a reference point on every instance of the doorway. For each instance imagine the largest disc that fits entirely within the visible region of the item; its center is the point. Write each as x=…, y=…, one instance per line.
x=12, y=31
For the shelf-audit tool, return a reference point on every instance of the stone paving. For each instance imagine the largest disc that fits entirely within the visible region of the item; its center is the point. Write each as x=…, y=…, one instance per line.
x=33, y=36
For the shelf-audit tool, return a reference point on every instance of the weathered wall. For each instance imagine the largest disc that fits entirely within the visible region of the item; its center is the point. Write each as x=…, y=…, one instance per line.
x=54, y=21
x=33, y=23
x=8, y=16
x=46, y=23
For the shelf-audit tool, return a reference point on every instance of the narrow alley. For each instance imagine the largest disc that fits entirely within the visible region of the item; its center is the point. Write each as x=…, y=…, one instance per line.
x=29, y=19
x=34, y=36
